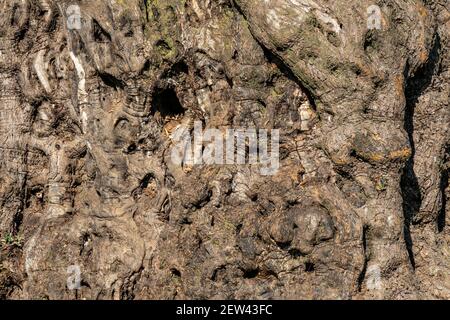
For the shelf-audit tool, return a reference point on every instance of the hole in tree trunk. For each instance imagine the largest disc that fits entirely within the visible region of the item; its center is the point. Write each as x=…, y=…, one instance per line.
x=166, y=103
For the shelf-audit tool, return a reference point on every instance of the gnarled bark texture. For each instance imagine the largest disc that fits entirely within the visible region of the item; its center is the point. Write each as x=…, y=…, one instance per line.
x=358, y=209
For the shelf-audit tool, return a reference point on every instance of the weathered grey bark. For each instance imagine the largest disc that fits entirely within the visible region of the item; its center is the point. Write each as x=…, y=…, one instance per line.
x=356, y=210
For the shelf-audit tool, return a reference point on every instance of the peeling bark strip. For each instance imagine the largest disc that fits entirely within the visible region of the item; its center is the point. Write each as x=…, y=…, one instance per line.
x=93, y=94
x=39, y=67
x=82, y=95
